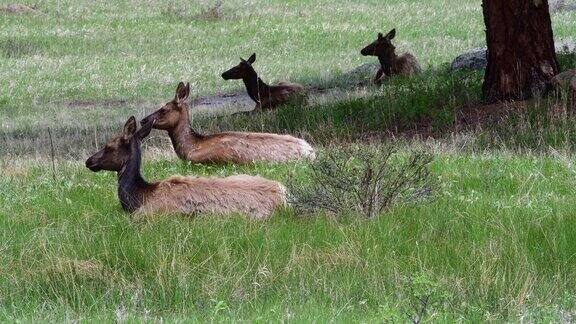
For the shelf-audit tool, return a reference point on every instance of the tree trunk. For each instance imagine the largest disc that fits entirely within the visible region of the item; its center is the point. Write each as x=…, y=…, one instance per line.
x=521, y=54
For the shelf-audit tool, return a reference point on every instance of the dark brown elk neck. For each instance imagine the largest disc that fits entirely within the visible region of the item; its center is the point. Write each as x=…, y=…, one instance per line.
x=183, y=137
x=255, y=86
x=388, y=63
x=132, y=188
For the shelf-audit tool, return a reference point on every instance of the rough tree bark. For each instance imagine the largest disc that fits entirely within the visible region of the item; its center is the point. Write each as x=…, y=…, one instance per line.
x=521, y=54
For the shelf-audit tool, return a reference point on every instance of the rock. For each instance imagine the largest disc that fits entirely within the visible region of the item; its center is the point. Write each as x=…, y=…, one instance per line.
x=566, y=46
x=365, y=69
x=476, y=59
x=358, y=76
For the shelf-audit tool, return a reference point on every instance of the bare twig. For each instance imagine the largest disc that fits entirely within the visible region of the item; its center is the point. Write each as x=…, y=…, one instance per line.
x=52, y=154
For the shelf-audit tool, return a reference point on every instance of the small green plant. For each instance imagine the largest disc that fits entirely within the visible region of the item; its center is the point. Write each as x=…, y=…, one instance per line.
x=361, y=179
x=424, y=295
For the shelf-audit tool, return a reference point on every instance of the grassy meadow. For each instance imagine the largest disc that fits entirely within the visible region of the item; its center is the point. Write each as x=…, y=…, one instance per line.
x=494, y=242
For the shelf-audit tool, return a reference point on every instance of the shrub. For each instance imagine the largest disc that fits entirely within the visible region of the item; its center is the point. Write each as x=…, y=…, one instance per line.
x=365, y=180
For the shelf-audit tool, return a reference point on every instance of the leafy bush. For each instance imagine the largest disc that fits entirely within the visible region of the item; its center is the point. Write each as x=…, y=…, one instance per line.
x=363, y=179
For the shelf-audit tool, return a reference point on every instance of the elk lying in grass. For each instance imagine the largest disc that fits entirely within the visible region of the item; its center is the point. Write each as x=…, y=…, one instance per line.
x=264, y=95
x=253, y=196
x=565, y=82
x=390, y=63
x=226, y=147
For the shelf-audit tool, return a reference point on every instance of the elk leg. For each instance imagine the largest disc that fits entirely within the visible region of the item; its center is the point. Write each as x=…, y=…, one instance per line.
x=378, y=77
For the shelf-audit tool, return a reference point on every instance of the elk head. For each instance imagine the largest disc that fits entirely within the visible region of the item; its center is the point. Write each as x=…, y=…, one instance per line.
x=242, y=70
x=118, y=150
x=168, y=116
x=382, y=46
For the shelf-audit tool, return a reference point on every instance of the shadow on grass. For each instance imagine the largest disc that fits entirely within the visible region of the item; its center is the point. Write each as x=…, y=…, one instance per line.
x=437, y=103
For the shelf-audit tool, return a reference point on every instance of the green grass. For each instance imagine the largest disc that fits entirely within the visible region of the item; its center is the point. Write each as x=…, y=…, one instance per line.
x=98, y=51
x=495, y=243
x=399, y=106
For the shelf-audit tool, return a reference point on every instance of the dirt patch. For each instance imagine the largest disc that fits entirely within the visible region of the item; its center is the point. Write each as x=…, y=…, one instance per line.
x=91, y=104
x=218, y=105
x=222, y=104
x=228, y=104
x=19, y=9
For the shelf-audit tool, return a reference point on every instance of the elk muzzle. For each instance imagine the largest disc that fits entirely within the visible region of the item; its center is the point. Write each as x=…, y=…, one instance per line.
x=147, y=119
x=366, y=51
x=231, y=74
x=93, y=164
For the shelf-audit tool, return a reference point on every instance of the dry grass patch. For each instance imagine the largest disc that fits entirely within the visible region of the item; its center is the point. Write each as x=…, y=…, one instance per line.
x=346, y=254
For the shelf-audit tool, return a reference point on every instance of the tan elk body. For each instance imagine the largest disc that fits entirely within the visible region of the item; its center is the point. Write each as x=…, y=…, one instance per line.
x=253, y=196
x=390, y=63
x=226, y=147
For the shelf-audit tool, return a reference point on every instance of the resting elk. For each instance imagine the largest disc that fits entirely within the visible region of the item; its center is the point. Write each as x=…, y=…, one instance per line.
x=242, y=194
x=225, y=147
x=390, y=63
x=264, y=95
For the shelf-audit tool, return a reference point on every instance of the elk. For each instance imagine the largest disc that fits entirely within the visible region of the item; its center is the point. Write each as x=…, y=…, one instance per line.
x=264, y=95
x=225, y=147
x=249, y=195
x=565, y=82
x=390, y=63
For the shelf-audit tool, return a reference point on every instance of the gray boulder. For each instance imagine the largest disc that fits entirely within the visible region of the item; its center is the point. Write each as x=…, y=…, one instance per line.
x=566, y=46
x=474, y=60
x=365, y=69
x=361, y=75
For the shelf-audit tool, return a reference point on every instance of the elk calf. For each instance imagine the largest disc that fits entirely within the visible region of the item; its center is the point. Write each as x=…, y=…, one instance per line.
x=253, y=196
x=226, y=147
x=264, y=95
x=390, y=63
x=565, y=82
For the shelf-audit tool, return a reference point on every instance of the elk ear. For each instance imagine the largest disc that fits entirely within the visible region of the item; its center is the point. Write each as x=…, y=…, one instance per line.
x=182, y=92
x=391, y=34
x=129, y=128
x=380, y=36
x=252, y=58
x=144, y=131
